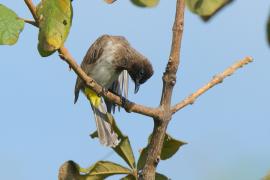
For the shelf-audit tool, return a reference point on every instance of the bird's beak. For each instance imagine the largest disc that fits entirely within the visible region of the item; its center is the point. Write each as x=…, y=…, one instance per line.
x=137, y=87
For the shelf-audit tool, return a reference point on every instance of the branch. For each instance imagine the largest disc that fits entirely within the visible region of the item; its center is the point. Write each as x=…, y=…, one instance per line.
x=216, y=80
x=169, y=76
x=92, y=84
x=169, y=80
x=32, y=9
x=30, y=21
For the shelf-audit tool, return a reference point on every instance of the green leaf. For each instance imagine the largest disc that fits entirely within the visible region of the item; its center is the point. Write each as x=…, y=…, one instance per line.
x=159, y=176
x=206, y=8
x=142, y=158
x=55, y=19
x=170, y=147
x=103, y=169
x=123, y=149
x=94, y=135
x=128, y=177
x=10, y=26
x=145, y=3
x=268, y=30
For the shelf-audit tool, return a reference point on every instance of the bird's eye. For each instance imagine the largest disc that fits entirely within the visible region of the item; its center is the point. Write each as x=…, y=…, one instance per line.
x=141, y=72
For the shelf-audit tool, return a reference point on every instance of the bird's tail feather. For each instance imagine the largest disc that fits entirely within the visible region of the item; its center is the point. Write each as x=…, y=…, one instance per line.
x=106, y=134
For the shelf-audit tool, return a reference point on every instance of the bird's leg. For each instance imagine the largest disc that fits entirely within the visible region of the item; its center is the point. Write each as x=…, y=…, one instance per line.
x=103, y=91
x=125, y=104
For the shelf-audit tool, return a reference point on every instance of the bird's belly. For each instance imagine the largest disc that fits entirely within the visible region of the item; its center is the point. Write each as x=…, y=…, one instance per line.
x=105, y=75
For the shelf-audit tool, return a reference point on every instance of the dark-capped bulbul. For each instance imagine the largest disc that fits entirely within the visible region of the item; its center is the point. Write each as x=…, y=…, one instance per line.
x=108, y=61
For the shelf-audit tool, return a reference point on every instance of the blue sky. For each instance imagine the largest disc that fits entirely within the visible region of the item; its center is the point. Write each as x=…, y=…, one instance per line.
x=228, y=128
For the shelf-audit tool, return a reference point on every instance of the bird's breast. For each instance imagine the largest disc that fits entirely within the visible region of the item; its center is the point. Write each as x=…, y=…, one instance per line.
x=104, y=72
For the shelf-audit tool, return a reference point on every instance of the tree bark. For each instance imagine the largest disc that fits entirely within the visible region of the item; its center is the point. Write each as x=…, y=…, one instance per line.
x=169, y=80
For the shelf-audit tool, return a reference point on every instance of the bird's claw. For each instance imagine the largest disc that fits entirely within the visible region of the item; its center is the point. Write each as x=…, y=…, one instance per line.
x=103, y=91
x=125, y=104
x=62, y=56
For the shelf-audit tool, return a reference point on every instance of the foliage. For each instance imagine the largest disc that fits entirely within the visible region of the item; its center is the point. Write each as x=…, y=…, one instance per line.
x=267, y=177
x=268, y=30
x=140, y=3
x=145, y=3
x=124, y=150
x=103, y=169
x=206, y=8
x=55, y=20
x=10, y=26
x=170, y=147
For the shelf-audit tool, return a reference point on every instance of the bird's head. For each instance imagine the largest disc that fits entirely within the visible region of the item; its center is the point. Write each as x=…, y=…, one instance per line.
x=140, y=72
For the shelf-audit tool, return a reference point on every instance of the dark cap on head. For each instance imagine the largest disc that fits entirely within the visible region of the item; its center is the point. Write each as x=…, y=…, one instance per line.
x=140, y=72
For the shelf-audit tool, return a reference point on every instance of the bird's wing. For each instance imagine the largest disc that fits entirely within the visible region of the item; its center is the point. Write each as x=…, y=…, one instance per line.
x=119, y=87
x=92, y=55
x=95, y=50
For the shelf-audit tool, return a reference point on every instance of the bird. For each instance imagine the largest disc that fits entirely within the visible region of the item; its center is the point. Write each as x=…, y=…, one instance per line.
x=109, y=61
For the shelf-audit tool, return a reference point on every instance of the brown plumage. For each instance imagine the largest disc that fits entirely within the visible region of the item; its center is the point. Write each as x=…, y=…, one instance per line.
x=109, y=60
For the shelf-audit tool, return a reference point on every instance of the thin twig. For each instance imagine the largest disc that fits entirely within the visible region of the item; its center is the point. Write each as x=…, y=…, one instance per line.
x=216, y=80
x=32, y=9
x=30, y=21
x=91, y=83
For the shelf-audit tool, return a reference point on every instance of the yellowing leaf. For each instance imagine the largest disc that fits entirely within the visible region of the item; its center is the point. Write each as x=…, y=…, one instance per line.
x=103, y=169
x=109, y=1
x=145, y=3
x=10, y=26
x=206, y=8
x=98, y=171
x=55, y=19
x=267, y=177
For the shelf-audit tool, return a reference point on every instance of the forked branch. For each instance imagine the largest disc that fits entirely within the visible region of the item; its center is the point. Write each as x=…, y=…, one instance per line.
x=169, y=80
x=163, y=114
